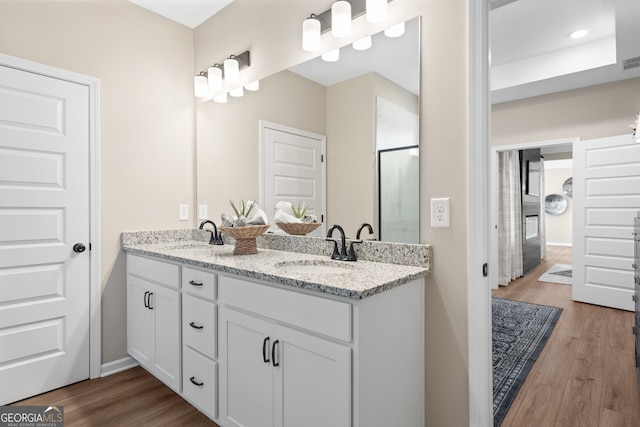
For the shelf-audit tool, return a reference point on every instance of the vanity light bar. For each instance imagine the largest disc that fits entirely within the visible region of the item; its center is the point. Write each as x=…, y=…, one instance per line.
x=358, y=8
x=213, y=77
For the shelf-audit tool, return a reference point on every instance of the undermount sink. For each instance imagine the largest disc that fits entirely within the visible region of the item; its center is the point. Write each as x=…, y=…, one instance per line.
x=320, y=267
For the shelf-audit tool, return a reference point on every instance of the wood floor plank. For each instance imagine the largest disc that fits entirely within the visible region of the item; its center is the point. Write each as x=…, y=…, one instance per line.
x=540, y=407
x=620, y=391
x=611, y=418
x=619, y=335
x=562, y=351
x=129, y=398
x=581, y=398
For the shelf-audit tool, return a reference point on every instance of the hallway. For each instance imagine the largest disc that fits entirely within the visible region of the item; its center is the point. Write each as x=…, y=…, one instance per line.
x=585, y=375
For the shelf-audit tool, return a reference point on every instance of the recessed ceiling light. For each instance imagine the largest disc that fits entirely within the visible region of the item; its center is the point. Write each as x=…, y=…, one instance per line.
x=578, y=34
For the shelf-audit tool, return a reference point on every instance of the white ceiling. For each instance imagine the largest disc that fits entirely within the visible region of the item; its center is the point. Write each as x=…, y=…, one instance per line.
x=190, y=13
x=531, y=52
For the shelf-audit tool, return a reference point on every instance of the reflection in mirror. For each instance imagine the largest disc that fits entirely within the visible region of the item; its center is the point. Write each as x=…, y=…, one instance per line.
x=398, y=195
x=340, y=100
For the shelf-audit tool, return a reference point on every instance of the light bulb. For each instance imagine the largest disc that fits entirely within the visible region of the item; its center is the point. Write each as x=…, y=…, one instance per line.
x=231, y=70
x=220, y=99
x=311, y=34
x=376, y=10
x=253, y=86
x=215, y=78
x=200, y=88
x=331, y=56
x=237, y=92
x=395, y=30
x=341, y=19
x=362, y=44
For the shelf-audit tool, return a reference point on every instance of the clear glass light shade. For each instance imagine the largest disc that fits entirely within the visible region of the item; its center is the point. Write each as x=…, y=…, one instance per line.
x=395, y=30
x=311, y=34
x=376, y=11
x=362, y=44
x=220, y=99
x=331, y=56
x=341, y=19
x=231, y=70
x=200, y=87
x=237, y=92
x=214, y=76
x=253, y=86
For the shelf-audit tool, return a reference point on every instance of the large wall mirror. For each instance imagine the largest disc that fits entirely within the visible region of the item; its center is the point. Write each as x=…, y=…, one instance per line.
x=365, y=102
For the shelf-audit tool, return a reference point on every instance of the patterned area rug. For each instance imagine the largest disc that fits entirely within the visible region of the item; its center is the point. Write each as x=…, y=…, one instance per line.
x=558, y=273
x=520, y=330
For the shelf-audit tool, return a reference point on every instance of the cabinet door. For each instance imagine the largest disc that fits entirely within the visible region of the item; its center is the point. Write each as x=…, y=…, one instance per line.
x=139, y=322
x=246, y=383
x=313, y=383
x=165, y=304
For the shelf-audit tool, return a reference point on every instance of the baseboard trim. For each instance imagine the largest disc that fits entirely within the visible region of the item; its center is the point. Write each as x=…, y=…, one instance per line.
x=559, y=244
x=119, y=365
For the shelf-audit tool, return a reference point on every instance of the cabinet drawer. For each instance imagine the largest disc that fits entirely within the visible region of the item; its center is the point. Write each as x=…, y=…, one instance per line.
x=199, y=324
x=322, y=315
x=199, y=282
x=154, y=271
x=200, y=381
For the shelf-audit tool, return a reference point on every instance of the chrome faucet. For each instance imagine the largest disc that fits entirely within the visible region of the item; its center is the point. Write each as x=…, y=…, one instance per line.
x=364, y=225
x=342, y=253
x=216, y=238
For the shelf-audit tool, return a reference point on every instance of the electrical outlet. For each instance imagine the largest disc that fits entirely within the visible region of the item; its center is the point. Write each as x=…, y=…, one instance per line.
x=440, y=212
x=183, y=212
x=203, y=211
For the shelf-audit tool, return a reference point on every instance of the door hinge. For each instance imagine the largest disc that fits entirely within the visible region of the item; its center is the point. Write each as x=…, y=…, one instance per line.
x=485, y=269
x=321, y=158
x=322, y=218
x=89, y=246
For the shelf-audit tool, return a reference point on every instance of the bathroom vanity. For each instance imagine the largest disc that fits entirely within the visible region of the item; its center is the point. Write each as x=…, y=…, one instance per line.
x=280, y=338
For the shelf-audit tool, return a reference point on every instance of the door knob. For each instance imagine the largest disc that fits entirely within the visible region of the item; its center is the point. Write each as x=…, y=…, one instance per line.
x=79, y=247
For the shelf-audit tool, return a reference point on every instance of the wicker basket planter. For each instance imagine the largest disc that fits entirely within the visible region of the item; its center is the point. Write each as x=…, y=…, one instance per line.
x=245, y=237
x=298, y=228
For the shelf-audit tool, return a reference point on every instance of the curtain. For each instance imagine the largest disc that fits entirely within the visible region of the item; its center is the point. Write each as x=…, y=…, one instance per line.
x=542, y=231
x=509, y=217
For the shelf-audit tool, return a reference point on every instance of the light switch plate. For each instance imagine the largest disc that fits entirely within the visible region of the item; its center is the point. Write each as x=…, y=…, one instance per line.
x=440, y=212
x=183, y=212
x=203, y=211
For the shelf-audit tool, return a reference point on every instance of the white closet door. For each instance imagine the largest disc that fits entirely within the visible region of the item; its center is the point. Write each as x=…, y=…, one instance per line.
x=44, y=212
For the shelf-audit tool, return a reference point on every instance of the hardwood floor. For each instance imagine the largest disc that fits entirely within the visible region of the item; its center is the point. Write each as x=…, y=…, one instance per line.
x=129, y=398
x=585, y=375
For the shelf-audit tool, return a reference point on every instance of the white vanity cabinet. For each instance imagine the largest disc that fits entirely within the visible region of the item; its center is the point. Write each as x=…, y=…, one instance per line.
x=153, y=317
x=276, y=376
x=253, y=353
x=199, y=339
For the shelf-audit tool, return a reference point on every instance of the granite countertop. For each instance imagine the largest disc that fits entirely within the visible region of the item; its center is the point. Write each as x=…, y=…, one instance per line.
x=359, y=279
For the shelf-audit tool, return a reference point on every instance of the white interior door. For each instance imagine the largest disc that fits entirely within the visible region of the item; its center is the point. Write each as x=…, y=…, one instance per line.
x=293, y=170
x=44, y=212
x=606, y=196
